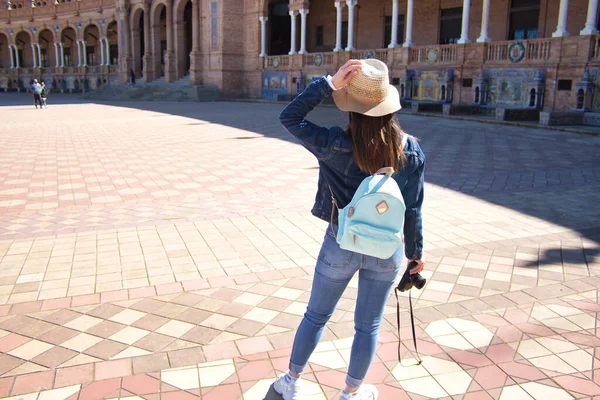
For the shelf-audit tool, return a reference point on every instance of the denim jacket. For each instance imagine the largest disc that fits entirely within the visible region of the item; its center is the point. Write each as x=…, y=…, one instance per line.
x=338, y=170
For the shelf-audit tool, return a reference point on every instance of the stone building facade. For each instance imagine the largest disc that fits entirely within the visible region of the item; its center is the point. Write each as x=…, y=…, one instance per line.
x=502, y=55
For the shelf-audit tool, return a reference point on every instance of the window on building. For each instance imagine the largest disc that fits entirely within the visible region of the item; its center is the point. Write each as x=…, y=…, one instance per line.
x=319, y=36
x=387, y=39
x=279, y=28
x=91, y=55
x=450, y=25
x=467, y=82
x=344, y=34
x=44, y=58
x=565, y=84
x=523, y=20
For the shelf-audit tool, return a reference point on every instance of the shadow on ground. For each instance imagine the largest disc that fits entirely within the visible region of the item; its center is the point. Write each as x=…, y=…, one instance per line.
x=551, y=175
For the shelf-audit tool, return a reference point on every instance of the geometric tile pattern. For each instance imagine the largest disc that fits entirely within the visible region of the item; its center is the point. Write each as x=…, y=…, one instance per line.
x=140, y=264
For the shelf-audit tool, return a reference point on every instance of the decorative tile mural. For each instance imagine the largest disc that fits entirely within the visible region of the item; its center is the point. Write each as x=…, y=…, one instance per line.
x=432, y=85
x=510, y=87
x=274, y=84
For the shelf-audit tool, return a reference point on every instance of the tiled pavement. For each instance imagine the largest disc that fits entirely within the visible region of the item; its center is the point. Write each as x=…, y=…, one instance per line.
x=166, y=252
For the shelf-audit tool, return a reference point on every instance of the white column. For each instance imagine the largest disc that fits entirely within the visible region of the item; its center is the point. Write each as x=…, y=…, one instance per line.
x=590, y=24
x=339, y=5
x=56, y=58
x=39, y=51
x=101, y=51
x=107, y=51
x=303, y=14
x=33, y=53
x=485, y=22
x=62, y=54
x=84, y=57
x=410, y=11
x=464, y=34
x=79, y=53
x=263, y=36
x=394, y=41
x=351, y=4
x=12, y=56
x=561, y=28
x=293, y=44
x=17, y=62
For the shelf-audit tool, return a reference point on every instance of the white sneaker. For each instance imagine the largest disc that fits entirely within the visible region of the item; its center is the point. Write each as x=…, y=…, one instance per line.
x=365, y=392
x=288, y=390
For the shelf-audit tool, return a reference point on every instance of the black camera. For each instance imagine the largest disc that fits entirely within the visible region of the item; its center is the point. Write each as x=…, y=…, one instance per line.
x=408, y=281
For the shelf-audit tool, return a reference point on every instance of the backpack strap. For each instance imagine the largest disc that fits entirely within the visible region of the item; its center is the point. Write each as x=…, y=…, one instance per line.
x=389, y=171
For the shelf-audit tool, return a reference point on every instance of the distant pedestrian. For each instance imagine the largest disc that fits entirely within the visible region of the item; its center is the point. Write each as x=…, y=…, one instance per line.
x=44, y=95
x=36, y=89
x=132, y=75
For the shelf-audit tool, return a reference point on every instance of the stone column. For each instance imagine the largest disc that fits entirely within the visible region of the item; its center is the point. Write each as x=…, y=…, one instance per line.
x=293, y=15
x=107, y=51
x=561, y=28
x=339, y=5
x=170, y=60
x=56, y=57
x=195, y=55
x=592, y=14
x=464, y=35
x=263, y=36
x=39, y=52
x=84, y=54
x=147, y=59
x=303, y=14
x=33, y=53
x=410, y=11
x=124, y=57
x=102, y=51
x=78, y=53
x=12, y=56
x=394, y=41
x=17, y=62
x=351, y=4
x=485, y=22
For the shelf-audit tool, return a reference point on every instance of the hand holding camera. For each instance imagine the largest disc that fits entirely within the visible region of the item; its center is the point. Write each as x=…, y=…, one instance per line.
x=412, y=278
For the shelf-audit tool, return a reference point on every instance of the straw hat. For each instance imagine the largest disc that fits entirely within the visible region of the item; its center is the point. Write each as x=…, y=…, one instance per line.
x=369, y=92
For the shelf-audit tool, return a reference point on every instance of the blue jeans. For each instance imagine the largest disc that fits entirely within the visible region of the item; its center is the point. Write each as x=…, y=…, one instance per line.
x=335, y=267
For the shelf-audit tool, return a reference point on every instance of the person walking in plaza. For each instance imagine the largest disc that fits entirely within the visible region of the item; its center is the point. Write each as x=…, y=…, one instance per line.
x=36, y=89
x=372, y=141
x=43, y=96
x=132, y=76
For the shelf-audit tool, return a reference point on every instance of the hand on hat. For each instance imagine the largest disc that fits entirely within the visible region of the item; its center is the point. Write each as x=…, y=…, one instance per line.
x=346, y=73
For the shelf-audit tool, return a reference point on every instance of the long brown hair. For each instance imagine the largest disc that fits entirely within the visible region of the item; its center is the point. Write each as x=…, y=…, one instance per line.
x=376, y=142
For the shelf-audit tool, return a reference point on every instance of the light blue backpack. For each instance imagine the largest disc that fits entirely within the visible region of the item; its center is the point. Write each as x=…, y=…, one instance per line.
x=373, y=222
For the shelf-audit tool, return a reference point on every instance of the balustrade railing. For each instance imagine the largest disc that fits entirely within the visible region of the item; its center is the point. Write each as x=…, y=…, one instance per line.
x=276, y=62
x=439, y=54
x=595, y=50
x=515, y=51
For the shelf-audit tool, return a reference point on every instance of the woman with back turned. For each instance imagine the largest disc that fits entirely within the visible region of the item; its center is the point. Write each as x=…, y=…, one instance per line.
x=372, y=141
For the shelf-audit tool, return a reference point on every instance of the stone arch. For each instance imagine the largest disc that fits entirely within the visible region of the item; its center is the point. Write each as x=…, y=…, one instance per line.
x=87, y=25
x=113, y=42
x=159, y=36
x=138, y=40
x=91, y=33
x=68, y=38
x=183, y=36
x=46, y=41
x=23, y=41
x=4, y=50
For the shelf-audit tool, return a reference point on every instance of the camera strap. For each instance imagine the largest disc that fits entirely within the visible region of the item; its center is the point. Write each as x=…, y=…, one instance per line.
x=412, y=324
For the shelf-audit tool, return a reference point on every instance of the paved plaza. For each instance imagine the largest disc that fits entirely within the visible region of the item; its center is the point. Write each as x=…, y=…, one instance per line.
x=166, y=251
